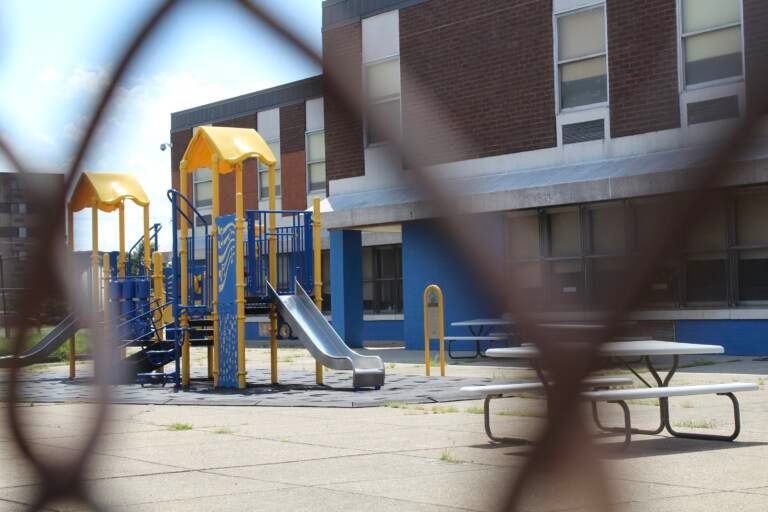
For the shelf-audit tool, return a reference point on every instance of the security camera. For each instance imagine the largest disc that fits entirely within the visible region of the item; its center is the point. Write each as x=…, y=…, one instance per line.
x=165, y=145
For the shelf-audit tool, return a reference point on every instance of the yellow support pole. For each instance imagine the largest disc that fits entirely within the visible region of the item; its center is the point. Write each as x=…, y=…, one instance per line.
x=272, y=271
x=105, y=277
x=95, y=258
x=147, y=247
x=317, y=271
x=441, y=329
x=71, y=241
x=158, y=292
x=215, y=269
x=240, y=274
x=95, y=285
x=121, y=228
x=183, y=299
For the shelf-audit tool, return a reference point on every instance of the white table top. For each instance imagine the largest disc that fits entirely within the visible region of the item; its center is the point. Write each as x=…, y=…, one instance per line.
x=482, y=321
x=618, y=349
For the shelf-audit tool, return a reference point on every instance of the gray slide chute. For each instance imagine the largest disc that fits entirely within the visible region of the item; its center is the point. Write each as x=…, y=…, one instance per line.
x=45, y=347
x=322, y=341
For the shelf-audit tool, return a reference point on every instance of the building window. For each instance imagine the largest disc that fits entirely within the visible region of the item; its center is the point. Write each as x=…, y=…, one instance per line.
x=382, y=82
x=523, y=253
x=581, y=58
x=706, y=263
x=648, y=215
x=19, y=208
x=711, y=40
x=316, y=161
x=565, y=264
x=382, y=279
x=22, y=232
x=264, y=175
x=325, y=261
x=202, y=194
x=751, y=212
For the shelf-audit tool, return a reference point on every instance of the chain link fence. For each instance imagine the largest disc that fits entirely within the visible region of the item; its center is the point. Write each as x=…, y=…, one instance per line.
x=564, y=438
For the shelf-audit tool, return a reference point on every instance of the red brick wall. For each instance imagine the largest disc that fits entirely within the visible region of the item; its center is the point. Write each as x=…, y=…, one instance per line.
x=756, y=49
x=293, y=122
x=342, y=56
x=642, y=66
x=488, y=64
x=180, y=141
x=294, y=176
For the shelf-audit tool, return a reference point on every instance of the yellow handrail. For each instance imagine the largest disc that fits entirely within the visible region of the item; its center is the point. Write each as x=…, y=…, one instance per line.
x=441, y=328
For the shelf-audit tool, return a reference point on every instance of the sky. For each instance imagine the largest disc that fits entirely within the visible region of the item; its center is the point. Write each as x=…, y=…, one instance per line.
x=56, y=55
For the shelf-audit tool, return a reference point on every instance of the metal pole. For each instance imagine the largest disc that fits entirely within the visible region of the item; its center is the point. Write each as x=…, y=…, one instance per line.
x=317, y=271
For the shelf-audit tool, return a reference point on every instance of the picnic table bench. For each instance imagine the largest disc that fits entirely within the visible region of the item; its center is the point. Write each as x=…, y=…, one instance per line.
x=479, y=332
x=622, y=350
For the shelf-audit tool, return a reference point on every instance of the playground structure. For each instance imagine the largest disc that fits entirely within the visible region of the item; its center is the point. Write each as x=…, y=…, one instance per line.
x=234, y=266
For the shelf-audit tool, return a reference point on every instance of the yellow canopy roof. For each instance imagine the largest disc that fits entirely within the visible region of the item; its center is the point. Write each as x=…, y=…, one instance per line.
x=232, y=145
x=106, y=190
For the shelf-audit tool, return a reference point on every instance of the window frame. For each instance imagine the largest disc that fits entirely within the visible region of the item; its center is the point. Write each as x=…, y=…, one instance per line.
x=557, y=62
x=376, y=280
x=208, y=209
x=309, y=161
x=380, y=101
x=260, y=171
x=682, y=79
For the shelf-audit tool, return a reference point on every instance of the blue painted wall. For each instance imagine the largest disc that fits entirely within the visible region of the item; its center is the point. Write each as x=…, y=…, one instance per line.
x=383, y=330
x=347, y=279
x=428, y=258
x=373, y=330
x=739, y=337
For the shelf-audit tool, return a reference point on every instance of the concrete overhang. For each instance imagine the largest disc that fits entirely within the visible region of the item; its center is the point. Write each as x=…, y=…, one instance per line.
x=620, y=178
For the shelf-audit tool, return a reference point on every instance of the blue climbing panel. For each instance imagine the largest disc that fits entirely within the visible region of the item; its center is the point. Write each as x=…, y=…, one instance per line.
x=227, y=307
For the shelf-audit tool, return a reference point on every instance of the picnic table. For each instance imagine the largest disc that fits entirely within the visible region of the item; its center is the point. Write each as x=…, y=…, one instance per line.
x=623, y=351
x=480, y=330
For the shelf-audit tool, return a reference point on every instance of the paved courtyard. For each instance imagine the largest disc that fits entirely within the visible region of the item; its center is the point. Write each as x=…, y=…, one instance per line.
x=399, y=456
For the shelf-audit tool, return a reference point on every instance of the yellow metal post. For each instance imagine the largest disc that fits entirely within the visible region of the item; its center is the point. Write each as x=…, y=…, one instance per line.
x=440, y=326
x=158, y=292
x=121, y=229
x=272, y=271
x=183, y=299
x=215, y=269
x=105, y=277
x=95, y=258
x=147, y=247
x=71, y=242
x=317, y=272
x=240, y=274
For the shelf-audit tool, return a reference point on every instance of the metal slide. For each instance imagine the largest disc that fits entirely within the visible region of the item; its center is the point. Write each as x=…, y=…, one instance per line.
x=45, y=347
x=325, y=345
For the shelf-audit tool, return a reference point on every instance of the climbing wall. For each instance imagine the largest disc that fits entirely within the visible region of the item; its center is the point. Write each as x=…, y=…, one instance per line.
x=227, y=307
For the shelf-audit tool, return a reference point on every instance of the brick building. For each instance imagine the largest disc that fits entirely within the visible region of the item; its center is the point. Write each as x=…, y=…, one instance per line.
x=566, y=125
x=17, y=225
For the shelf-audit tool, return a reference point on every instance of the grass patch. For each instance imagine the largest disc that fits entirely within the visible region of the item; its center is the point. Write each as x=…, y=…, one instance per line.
x=522, y=413
x=403, y=405
x=475, y=409
x=288, y=359
x=391, y=366
x=761, y=382
x=687, y=405
x=695, y=424
x=82, y=344
x=446, y=456
x=222, y=430
x=644, y=401
x=179, y=427
x=698, y=362
x=444, y=409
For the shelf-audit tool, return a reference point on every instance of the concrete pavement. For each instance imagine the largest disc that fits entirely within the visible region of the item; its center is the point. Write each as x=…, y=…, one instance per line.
x=396, y=457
